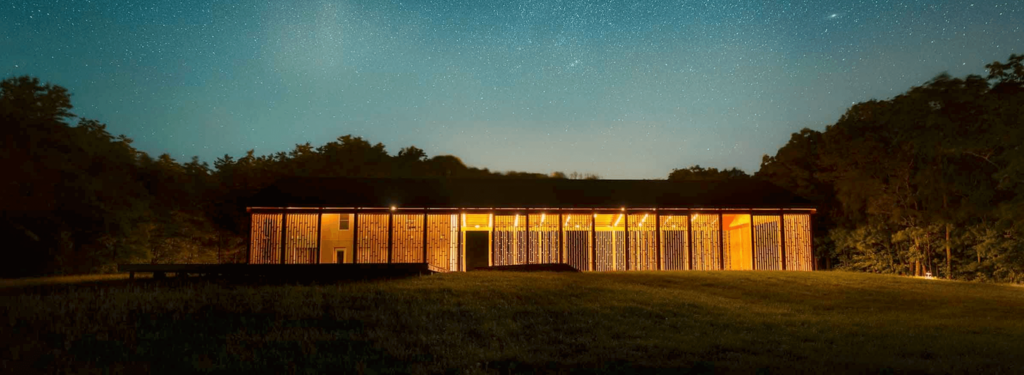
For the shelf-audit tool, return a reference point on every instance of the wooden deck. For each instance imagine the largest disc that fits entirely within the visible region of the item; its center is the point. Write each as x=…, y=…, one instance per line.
x=283, y=271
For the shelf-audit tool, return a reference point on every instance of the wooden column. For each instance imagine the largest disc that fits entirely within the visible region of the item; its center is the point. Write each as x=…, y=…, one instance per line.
x=425, y=260
x=689, y=240
x=721, y=243
x=528, y=242
x=593, y=241
x=458, y=251
x=560, y=240
x=657, y=236
x=490, y=238
x=319, y=233
x=284, y=234
x=625, y=231
x=753, y=248
x=391, y=237
x=782, y=239
x=355, y=236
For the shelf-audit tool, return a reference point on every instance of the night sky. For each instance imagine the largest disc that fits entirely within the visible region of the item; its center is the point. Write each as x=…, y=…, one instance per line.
x=624, y=89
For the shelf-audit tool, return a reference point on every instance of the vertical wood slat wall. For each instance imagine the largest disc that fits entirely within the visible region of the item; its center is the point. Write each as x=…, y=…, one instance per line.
x=544, y=238
x=442, y=241
x=265, y=239
x=674, y=239
x=509, y=240
x=767, y=242
x=610, y=245
x=705, y=241
x=643, y=245
x=407, y=238
x=576, y=232
x=300, y=239
x=798, y=242
x=372, y=238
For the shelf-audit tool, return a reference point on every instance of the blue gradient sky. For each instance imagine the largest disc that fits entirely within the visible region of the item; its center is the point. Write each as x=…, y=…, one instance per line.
x=622, y=89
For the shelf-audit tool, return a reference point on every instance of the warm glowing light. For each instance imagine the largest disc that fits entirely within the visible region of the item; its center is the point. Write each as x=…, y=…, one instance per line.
x=516, y=223
x=617, y=221
x=542, y=218
x=392, y=208
x=490, y=220
x=577, y=225
x=642, y=220
x=478, y=225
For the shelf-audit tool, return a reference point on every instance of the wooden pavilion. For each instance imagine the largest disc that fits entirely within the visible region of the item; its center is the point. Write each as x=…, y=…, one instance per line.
x=591, y=225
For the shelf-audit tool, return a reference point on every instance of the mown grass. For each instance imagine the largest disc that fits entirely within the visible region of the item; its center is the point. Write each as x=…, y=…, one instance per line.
x=492, y=322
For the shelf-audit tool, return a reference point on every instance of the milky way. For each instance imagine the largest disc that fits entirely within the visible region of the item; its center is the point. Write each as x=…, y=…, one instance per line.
x=621, y=89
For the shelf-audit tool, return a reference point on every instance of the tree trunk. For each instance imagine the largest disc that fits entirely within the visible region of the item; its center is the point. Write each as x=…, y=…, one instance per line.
x=949, y=256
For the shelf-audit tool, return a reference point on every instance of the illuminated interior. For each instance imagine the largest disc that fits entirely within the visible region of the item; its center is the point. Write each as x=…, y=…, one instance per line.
x=588, y=240
x=736, y=242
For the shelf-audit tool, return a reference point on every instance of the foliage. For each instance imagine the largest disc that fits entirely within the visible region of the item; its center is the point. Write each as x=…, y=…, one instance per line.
x=928, y=181
x=79, y=200
x=697, y=172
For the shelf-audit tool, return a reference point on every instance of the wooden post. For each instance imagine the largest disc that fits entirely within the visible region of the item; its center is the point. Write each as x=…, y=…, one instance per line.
x=458, y=251
x=490, y=238
x=319, y=233
x=528, y=242
x=625, y=231
x=721, y=243
x=593, y=241
x=355, y=236
x=689, y=240
x=657, y=237
x=284, y=234
x=753, y=249
x=425, y=260
x=391, y=236
x=560, y=239
x=782, y=239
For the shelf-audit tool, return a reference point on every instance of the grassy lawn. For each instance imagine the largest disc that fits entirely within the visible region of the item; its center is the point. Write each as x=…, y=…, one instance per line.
x=491, y=322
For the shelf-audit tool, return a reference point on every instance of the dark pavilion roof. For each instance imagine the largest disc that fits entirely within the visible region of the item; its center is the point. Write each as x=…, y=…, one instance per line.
x=523, y=193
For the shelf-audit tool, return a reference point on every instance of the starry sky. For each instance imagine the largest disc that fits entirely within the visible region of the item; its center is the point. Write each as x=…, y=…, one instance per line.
x=624, y=89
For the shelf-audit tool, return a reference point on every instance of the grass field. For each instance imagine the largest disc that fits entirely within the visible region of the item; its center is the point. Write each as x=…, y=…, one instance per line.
x=491, y=322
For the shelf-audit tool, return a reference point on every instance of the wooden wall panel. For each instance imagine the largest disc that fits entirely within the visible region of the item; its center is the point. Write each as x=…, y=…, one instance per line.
x=443, y=241
x=798, y=242
x=372, y=237
x=265, y=239
x=705, y=241
x=643, y=245
x=576, y=243
x=301, y=233
x=767, y=242
x=544, y=238
x=407, y=238
x=509, y=240
x=675, y=242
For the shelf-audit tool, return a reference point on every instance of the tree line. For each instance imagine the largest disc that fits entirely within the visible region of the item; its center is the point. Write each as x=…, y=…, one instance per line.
x=926, y=182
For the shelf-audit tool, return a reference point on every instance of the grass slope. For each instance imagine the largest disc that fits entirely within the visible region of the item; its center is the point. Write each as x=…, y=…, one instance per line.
x=699, y=322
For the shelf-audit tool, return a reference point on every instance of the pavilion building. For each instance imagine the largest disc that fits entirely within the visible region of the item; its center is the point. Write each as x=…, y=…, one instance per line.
x=591, y=225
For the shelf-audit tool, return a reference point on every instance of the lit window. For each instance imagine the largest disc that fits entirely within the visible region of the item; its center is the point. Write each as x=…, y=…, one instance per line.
x=343, y=222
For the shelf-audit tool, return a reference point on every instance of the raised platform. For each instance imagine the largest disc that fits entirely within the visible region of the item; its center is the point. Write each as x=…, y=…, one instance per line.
x=283, y=271
x=550, y=267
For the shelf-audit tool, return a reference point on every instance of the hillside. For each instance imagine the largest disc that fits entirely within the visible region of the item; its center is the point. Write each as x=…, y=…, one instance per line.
x=504, y=322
